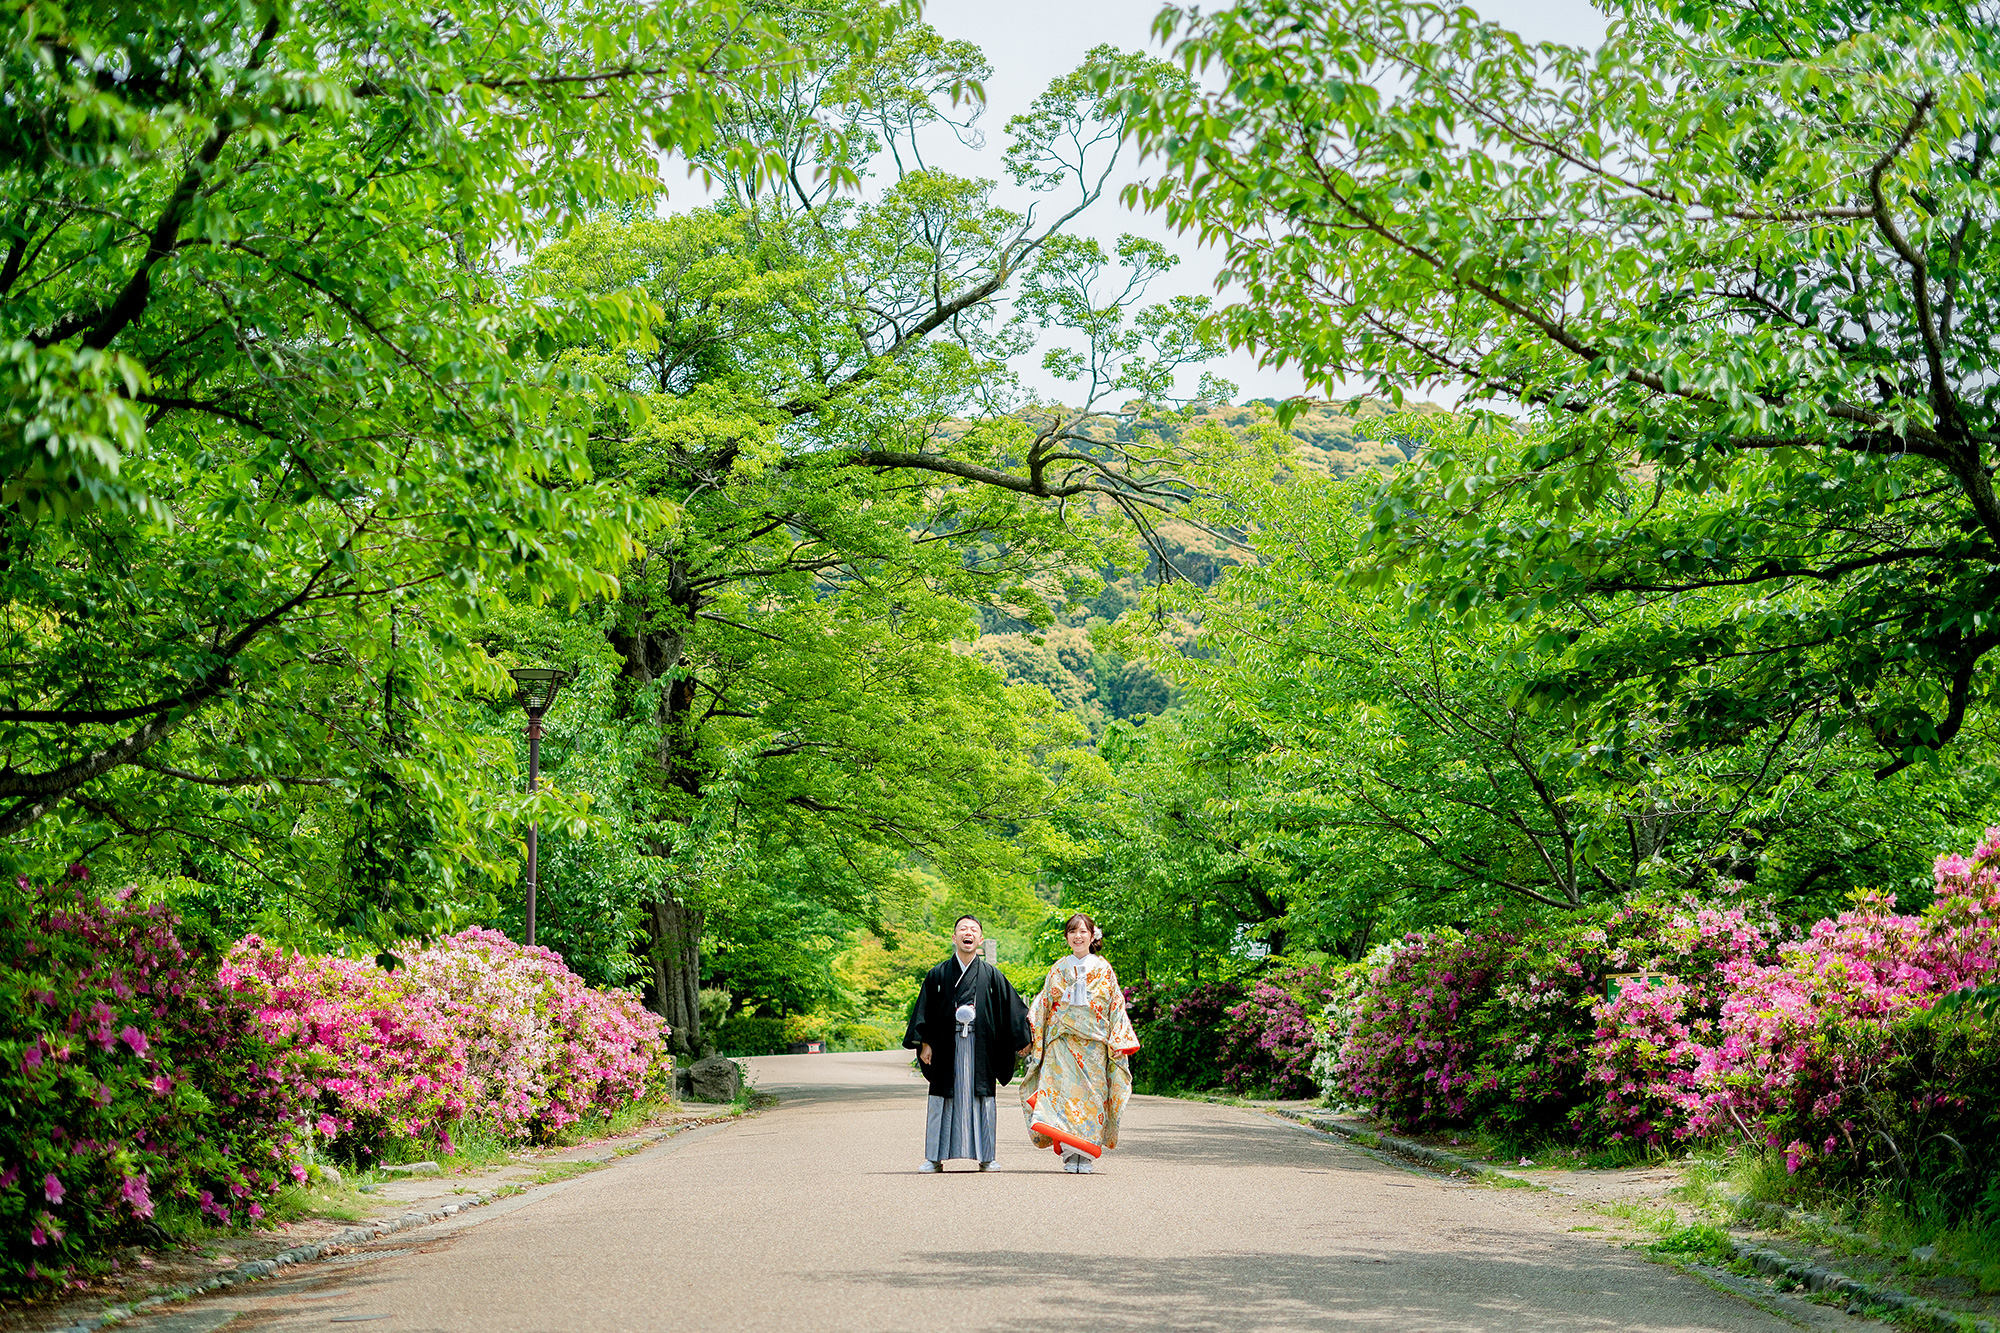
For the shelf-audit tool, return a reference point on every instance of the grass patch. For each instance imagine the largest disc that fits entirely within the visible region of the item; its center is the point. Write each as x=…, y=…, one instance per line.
x=631, y=1116
x=1885, y=1217
x=341, y=1203
x=1504, y=1150
x=1696, y=1242
x=556, y=1171
x=1659, y=1221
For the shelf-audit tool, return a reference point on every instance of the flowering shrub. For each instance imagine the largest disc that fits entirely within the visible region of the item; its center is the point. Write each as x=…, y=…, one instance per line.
x=1269, y=1041
x=1829, y=1052
x=474, y=1026
x=1825, y=1045
x=1820, y=1045
x=381, y=1055
x=543, y=1049
x=130, y=1077
x=1502, y=1027
x=1180, y=1034
x=1649, y=1040
x=1409, y=1052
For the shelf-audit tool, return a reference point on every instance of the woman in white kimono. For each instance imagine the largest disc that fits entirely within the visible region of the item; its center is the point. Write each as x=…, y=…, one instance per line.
x=1078, y=1075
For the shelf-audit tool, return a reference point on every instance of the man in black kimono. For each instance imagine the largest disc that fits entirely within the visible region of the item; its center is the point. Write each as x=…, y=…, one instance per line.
x=966, y=1028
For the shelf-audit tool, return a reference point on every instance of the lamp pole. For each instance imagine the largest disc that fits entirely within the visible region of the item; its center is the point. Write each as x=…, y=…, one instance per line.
x=536, y=688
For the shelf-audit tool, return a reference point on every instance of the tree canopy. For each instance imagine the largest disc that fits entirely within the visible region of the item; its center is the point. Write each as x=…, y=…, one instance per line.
x=1738, y=263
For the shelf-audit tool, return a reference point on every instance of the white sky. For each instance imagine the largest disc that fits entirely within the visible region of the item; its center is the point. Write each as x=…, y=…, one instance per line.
x=1031, y=42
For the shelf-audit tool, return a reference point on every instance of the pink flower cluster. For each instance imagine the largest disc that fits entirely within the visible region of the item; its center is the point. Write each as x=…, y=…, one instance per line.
x=1271, y=1038
x=380, y=1056
x=1410, y=1048
x=1820, y=1044
x=1812, y=1046
x=131, y=1078
x=473, y=1027
x=543, y=1049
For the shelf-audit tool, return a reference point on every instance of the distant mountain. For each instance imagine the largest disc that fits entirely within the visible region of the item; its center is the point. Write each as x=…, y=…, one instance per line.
x=1327, y=437
x=1328, y=440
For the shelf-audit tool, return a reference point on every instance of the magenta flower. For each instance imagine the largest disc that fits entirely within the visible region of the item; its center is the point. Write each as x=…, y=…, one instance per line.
x=52, y=1188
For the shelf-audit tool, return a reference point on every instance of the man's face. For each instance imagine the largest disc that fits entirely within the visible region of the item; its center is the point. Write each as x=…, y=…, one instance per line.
x=968, y=935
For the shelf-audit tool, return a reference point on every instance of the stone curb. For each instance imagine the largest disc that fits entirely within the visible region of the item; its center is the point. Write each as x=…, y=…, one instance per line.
x=1814, y=1278
x=1777, y=1214
x=1764, y=1260
x=256, y=1269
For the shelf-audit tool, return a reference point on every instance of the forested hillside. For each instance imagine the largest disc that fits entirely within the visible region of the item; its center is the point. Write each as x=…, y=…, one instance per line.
x=1330, y=440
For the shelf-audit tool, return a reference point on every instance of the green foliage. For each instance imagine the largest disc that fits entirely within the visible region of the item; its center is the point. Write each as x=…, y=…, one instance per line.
x=1333, y=774
x=1096, y=687
x=1702, y=1242
x=1180, y=1034
x=751, y=1034
x=1739, y=266
x=131, y=1081
x=274, y=433
x=811, y=387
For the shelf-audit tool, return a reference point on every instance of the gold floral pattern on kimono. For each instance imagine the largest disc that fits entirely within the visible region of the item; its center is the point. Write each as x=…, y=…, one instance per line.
x=1078, y=1074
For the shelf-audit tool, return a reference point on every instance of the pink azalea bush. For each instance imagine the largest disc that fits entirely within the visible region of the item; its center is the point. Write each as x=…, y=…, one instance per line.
x=381, y=1055
x=1499, y=1027
x=1180, y=1033
x=1271, y=1037
x=1823, y=1045
x=131, y=1078
x=474, y=1027
x=543, y=1049
x=1649, y=1040
x=1410, y=1051
x=1826, y=1049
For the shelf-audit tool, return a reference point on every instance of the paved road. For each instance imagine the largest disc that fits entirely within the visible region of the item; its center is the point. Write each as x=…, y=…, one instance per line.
x=811, y=1216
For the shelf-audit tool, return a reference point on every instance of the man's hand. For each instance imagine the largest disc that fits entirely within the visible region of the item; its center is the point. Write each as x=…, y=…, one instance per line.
x=924, y=1052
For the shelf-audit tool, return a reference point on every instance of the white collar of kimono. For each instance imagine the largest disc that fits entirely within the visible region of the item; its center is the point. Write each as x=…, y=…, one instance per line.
x=1079, y=979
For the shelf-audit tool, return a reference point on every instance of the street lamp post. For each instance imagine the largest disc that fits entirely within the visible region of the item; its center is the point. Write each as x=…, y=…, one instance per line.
x=536, y=688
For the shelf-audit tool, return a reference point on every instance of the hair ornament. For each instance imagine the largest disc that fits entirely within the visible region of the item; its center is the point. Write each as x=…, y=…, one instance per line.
x=1096, y=933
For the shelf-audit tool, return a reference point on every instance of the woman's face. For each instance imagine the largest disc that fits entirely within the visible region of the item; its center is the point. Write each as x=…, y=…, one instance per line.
x=1079, y=939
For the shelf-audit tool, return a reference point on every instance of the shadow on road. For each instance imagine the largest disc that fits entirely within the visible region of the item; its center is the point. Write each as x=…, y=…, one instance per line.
x=1258, y=1290
x=1239, y=1141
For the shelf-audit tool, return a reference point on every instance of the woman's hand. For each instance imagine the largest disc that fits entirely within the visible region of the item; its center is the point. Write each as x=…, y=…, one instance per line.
x=1025, y=1049
x=924, y=1052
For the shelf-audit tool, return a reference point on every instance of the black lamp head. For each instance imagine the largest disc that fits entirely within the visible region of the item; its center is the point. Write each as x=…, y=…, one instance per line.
x=536, y=687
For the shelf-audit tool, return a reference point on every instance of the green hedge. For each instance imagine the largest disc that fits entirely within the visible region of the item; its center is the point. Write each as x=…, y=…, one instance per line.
x=753, y=1034
x=766, y=1034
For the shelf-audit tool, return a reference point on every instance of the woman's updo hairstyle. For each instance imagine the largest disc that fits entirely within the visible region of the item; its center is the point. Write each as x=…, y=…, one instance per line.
x=1096, y=935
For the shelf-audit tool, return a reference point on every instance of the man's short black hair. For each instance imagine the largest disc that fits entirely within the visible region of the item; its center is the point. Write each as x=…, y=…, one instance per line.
x=968, y=917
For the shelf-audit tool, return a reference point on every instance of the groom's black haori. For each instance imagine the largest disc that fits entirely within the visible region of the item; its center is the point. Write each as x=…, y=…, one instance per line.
x=967, y=1060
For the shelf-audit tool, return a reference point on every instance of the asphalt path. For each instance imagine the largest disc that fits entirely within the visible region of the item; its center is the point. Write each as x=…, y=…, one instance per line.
x=812, y=1215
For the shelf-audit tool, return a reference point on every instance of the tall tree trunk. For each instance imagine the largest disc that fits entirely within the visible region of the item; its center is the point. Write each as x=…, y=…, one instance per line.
x=651, y=636
x=676, y=957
